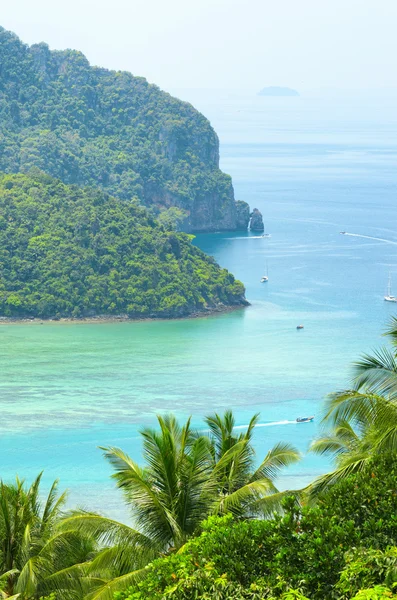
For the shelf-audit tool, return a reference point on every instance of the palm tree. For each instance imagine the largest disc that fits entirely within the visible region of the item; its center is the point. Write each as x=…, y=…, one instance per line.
x=362, y=420
x=188, y=476
x=33, y=557
x=242, y=487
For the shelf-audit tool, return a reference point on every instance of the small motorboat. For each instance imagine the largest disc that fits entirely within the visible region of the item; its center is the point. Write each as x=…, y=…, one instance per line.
x=266, y=235
x=342, y=232
x=304, y=419
x=300, y=327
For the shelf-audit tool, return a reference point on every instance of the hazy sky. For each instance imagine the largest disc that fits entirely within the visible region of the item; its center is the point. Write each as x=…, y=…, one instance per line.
x=222, y=43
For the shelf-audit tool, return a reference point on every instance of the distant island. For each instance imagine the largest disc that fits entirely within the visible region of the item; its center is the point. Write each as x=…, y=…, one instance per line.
x=278, y=91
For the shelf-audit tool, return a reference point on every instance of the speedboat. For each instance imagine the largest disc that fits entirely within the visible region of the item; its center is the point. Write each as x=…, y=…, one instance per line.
x=304, y=419
x=299, y=326
x=342, y=232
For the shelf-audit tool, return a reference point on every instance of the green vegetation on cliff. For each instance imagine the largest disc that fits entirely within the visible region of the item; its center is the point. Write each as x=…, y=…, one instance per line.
x=90, y=126
x=70, y=251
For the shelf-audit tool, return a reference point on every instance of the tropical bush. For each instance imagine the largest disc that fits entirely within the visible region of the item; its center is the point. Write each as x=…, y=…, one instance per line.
x=320, y=552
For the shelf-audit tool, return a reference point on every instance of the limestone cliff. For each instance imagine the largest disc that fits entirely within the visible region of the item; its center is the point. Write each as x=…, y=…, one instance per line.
x=243, y=215
x=90, y=126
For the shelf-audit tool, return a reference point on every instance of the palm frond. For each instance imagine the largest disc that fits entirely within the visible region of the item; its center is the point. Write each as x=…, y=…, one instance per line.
x=280, y=456
x=352, y=406
x=107, y=531
x=272, y=503
x=377, y=373
x=352, y=464
x=240, y=501
x=27, y=580
x=107, y=591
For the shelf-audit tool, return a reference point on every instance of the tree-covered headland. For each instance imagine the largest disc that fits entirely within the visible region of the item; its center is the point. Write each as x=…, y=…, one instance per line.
x=67, y=251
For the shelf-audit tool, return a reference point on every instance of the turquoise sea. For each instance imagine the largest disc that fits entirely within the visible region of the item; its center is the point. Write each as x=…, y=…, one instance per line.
x=314, y=167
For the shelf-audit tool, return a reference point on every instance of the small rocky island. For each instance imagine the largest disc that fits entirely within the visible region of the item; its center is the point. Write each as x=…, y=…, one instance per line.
x=278, y=91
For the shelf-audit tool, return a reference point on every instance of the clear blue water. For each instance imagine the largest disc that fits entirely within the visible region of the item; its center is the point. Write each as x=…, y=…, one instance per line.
x=313, y=168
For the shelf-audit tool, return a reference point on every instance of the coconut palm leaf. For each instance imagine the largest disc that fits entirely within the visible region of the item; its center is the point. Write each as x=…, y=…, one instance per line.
x=104, y=530
x=106, y=591
x=28, y=580
x=196, y=488
x=68, y=583
x=360, y=408
x=342, y=439
x=352, y=464
x=272, y=503
x=240, y=501
x=391, y=332
x=377, y=373
x=53, y=506
x=280, y=456
x=28, y=541
x=146, y=494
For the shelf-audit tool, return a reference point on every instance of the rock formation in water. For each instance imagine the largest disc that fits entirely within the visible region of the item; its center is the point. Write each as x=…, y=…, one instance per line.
x=278, y=91
x=109, y=129
x=243, y=215
x=256, y=222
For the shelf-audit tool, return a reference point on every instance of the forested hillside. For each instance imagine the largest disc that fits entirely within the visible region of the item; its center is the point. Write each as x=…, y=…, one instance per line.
x=67, y=251
x=91, y=126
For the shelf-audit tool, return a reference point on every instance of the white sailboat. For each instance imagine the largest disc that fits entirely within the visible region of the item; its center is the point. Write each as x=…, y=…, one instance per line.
x=389, y=297
x=265, y=278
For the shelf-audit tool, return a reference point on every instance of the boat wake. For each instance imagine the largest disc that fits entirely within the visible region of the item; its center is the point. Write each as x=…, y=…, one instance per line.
x=370, y=237
x=247, y=237
x=270, y=424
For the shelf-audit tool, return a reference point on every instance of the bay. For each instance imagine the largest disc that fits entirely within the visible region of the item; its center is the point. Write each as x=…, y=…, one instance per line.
x=314, y=167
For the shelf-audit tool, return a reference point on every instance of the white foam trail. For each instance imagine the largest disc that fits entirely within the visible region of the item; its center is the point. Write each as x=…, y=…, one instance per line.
x=370, y=237
x=248, y=237
x=271, y=424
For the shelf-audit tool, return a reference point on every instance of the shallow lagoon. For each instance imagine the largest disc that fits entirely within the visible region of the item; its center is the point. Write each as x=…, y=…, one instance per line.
x=66, y=388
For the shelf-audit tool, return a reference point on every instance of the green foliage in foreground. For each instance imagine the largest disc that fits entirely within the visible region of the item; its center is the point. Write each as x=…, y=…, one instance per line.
x=67, y=251
x=344, y=544
x=187, y=476
x=361, y=421
x=34, y=556
x=90, y=126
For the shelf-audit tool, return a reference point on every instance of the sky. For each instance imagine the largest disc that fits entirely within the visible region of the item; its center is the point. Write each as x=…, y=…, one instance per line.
x=223, y=44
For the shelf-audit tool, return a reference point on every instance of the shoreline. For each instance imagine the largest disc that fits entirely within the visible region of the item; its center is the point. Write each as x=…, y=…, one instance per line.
x=212, y=312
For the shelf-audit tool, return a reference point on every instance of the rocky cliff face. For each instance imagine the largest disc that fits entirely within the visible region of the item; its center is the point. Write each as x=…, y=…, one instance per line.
x=89, y=126
x=256, y=222
x=243, y=215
